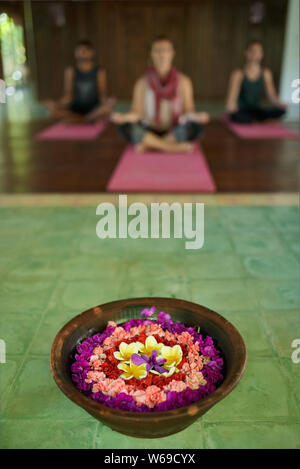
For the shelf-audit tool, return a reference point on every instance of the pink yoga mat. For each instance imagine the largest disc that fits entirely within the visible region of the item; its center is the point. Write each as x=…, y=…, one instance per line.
x=62, y=131
x=260, y=131
x=162, y=172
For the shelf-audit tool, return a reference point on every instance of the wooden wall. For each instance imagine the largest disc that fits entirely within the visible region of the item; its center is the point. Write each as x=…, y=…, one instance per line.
x=209, y=37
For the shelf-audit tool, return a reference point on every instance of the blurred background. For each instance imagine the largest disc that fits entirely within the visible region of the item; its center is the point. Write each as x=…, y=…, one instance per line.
x=38, y=37
x=37, y=41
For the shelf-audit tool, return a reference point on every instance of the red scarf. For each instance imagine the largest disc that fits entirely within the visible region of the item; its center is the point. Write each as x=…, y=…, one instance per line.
x=164, y=89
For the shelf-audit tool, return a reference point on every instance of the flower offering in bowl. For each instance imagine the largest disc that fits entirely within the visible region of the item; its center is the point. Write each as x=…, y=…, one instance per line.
x=147, y=364
x=147, y=370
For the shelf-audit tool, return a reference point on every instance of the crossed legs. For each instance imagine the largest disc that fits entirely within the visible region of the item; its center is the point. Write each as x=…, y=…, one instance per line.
x=59, y=111
x=179, y=139
x=248, y=116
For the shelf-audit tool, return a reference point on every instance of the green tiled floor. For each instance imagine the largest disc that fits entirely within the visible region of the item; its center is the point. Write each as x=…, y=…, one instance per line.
x=52, y=266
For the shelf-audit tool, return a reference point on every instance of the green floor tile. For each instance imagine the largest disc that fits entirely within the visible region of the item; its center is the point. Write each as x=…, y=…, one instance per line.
x=252, y=435
x=254, y=333
x=158, y=288
x=283, y=328
x=292, y=239
x=286, y=218
x=79, y=295
x=278, y=295
x=222, y=295
x=214, y=242
x=213, y=225
x=90, y=245
x=52, y=322
x=33, y=266
x=8, y=372
x=10, y=243
x=87, y=267
x=246, y=219
x=6, y=261
x=150, y=267
x=66, y=219
x=249, y=243
x=28, y=297
x=20, y=221
x=17, y=331
x=292, y=371
x=213, y=266
x=57, y=244
x=53, y=266
x=171, y=246
x=35, y=395
x=44, y=434
x=272, y=266
x=261, y=395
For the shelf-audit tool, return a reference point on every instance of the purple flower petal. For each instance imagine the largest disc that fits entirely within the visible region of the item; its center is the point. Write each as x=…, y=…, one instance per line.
x=164, y=317
x=137, y=360
x=160, y=361
x=148, y=312
x=160, y=369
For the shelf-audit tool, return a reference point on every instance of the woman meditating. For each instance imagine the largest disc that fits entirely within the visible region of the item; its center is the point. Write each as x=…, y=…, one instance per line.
x=163, y=115
x=85, y=89
x=247, y=88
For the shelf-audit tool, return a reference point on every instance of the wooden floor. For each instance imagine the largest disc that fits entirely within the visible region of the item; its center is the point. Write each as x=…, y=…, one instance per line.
x=30, y=166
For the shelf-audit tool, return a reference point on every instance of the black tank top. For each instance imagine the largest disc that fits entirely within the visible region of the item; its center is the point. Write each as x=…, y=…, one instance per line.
x=85, y=90
x=251, y=92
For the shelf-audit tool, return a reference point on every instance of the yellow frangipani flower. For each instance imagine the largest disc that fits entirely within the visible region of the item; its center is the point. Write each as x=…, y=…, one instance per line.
x=125, y=351
x=132, y=371
x=173, y=356
x=150, y=345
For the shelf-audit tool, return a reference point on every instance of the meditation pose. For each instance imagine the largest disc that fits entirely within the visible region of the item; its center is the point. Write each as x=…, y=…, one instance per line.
x=84, y=89
x=248, y=86
x=163, y=114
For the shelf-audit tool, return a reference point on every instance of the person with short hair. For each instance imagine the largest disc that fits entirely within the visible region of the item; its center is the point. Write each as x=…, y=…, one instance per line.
x=163, y=115
x=85, y=91
x=247, y=87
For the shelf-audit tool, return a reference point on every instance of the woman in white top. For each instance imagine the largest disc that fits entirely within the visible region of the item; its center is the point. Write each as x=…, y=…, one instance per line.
x=163, y=115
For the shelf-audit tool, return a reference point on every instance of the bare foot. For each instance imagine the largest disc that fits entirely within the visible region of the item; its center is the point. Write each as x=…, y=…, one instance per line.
x=185, y=147
x=154, y=142
x=170, y=137
x=140, y=148
x=178, y=147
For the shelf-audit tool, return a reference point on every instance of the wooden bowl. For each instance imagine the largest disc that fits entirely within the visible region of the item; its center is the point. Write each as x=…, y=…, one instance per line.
x=156, y=424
